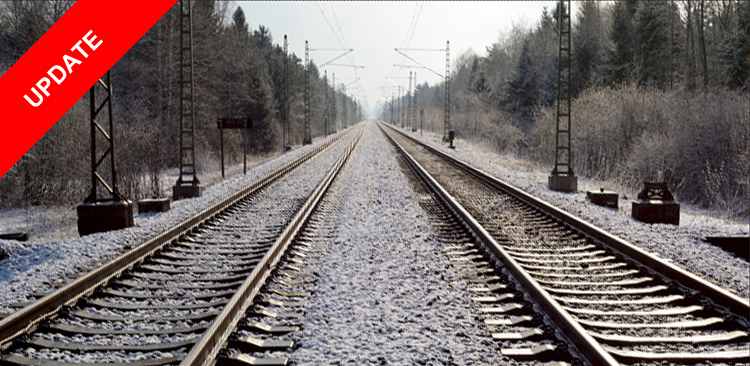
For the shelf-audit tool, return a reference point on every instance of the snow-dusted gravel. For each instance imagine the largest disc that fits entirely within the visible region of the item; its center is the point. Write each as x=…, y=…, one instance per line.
x=385, y=293
x=681, y=244
x=32, y=267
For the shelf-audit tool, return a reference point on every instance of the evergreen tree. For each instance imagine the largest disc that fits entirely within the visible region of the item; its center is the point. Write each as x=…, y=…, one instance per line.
x=523, y=92
x=737, y=51
x=546, y=39
x=239, y=22
x=622, y=58
x=653, y=51
x=587, y=47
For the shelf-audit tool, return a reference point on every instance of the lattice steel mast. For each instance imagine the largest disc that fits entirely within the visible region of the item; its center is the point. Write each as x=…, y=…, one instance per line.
x=96, y=178
x=328, y=103
x=414, y=104
x=286, y=134
x=408, y=102
x=447, y=123
x=562, y=177
x=392, y=101
x=447, y=75
x=117, y=213
x=308, y=135
x=333, y=107
x=187, y=184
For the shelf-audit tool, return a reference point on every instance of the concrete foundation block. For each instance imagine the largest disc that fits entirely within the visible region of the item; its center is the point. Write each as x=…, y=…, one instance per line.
x=739, y=245
x=563, y=183
x=656, y=212
x=15, y=236
x=180, y=192
x=153, y=205
x=603, y=198
x=104, y=216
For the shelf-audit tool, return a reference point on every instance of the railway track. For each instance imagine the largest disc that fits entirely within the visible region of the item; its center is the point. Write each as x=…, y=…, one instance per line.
x=177, y=298
x=521, y=332
x=616, y=303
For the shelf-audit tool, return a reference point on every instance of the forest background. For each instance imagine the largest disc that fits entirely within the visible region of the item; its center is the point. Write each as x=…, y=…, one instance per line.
x=660, y=92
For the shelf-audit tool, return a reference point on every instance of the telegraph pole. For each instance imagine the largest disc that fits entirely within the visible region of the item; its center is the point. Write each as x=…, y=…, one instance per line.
x=562, y=177
x=187, y=185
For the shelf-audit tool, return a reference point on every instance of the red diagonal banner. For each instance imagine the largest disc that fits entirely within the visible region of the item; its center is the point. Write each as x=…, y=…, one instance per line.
x=58, y=70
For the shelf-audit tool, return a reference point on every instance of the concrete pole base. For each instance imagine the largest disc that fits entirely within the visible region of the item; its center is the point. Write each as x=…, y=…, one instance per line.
x=104, y=216
x=656, y=212
x=563, y=183
x=181, y=192
x=153, y=205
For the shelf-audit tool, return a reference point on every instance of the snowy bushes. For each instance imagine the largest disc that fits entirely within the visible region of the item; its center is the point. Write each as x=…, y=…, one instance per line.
x=697, y=142
x=479, y=123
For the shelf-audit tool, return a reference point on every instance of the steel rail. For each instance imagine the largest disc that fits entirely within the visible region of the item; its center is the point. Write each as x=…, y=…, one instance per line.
x=206, y=349
x=570, y=329
x=713, y=293
x=28, y=317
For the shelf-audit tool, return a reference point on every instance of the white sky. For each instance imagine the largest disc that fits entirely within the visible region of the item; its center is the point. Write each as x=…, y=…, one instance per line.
x=374, y=29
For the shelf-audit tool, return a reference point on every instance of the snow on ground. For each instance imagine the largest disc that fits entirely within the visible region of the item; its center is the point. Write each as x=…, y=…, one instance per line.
x=61, y=223
x=385, y=293
x=32, y=266
x=681, y=244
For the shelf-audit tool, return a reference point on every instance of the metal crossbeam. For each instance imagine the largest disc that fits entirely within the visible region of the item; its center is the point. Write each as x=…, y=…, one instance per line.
x=418, y=63
x=422, y=49
x=404, y=66
x=335, y=58
x=346, y=65
x=355, y=80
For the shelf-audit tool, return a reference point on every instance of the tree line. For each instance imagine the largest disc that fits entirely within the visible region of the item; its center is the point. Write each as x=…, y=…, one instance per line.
x=238, y=72
x=660, y=92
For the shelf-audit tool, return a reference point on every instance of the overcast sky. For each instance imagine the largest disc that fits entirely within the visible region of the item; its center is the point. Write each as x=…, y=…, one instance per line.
x=374, y=29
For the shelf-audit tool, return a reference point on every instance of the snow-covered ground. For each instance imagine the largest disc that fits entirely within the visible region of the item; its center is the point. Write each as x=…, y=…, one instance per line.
x=386, y=294
x=683, y=244
x=32, y=266
x=61, y=223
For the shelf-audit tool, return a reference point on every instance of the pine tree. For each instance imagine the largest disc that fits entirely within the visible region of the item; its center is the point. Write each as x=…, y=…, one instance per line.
x=587, y=47
x=523, y=89
x=737, y=51
x=546, y=52
x=622, y=58
x=653, y=51
x=239, y=22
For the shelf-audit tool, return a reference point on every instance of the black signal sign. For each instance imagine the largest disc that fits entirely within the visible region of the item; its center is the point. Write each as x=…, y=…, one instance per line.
x=234, y=123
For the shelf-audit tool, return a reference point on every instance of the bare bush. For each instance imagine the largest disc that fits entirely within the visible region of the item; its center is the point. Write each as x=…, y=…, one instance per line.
x=696, y=142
